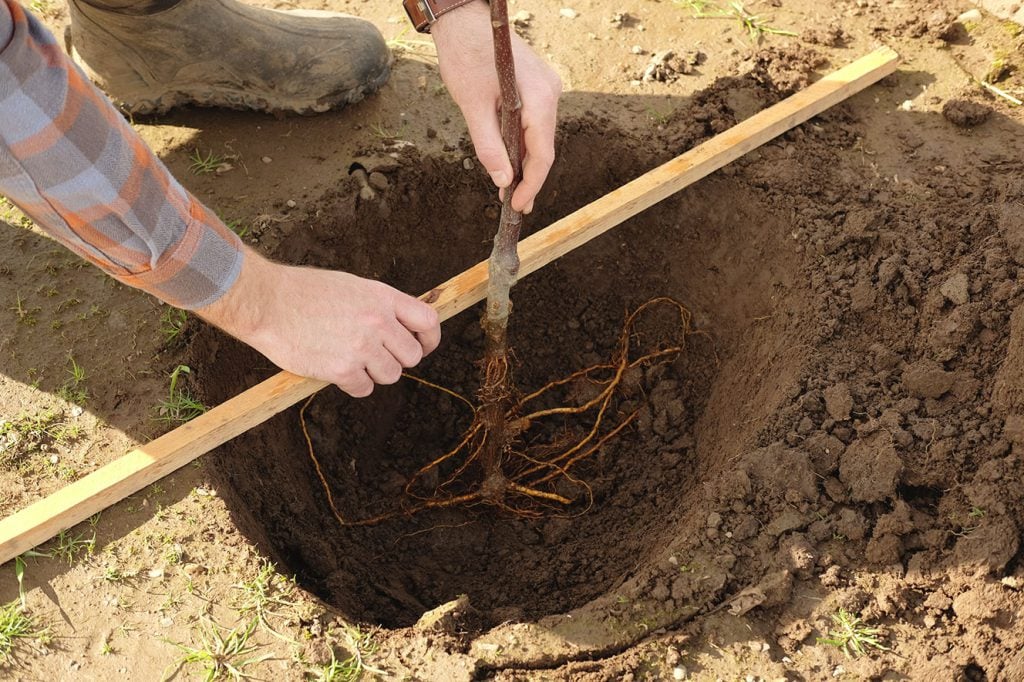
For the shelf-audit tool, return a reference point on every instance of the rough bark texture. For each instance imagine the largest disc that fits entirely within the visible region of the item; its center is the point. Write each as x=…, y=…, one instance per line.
x=503, y=268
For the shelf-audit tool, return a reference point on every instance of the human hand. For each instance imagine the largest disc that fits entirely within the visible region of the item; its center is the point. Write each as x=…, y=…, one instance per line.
x=324, y=324
x=465, y=55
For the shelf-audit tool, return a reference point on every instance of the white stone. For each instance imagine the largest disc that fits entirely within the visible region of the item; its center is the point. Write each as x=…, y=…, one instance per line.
x=568, y=13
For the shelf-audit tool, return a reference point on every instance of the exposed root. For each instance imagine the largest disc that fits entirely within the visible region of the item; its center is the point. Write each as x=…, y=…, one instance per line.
x=533, y=478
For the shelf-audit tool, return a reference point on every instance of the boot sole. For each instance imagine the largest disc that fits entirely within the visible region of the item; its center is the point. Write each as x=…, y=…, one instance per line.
x=245, y=100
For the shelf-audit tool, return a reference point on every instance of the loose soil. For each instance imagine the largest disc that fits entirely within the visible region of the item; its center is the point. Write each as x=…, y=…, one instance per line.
x=812, y=440
x=846, y=434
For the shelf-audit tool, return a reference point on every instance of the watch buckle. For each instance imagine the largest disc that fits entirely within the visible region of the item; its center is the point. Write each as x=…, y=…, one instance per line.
x=427, y=10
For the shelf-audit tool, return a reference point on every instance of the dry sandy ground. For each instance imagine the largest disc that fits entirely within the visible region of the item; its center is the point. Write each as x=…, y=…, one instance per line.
x=841, y=449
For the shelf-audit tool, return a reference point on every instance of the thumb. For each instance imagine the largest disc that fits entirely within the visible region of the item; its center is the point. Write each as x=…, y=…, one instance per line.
x=421, y=319
x=485, y=131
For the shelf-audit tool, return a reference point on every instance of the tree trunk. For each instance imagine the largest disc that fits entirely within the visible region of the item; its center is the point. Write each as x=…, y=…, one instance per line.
x=503, y=268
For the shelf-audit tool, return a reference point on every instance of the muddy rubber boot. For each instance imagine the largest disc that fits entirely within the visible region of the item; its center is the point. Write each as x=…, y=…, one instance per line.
x=151, y=55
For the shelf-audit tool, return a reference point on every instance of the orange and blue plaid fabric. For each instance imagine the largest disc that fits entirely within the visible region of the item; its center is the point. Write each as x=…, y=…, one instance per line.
x=72, y=163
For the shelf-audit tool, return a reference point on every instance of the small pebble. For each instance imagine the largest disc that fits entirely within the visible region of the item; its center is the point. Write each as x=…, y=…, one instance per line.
x=290, y=203
x=467, y=163
x=679, y=673
x=521, y=18
x=568, y=13
x=379, y=181
x=266, y=159
x=636, y=49
x=166, y=622
x=970, y=15
x=76, y=411
x=156, y=573
x=54, y=459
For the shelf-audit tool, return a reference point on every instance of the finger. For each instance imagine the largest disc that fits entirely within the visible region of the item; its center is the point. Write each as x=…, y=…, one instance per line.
x=485, y=131
x=540, y=154
x=383, y=368
x=404, y=346
x=539, y=143
x=421, y=319
x=357, y=384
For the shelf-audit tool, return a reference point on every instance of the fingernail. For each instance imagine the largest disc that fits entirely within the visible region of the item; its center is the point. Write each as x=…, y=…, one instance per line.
x=500, y=178
x=529, y=209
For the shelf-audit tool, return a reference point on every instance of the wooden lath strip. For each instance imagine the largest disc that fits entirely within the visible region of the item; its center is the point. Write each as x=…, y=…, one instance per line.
x=127, y=475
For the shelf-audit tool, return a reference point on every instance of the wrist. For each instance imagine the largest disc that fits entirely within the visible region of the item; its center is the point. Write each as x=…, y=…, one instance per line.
x=241, y=311
x=449, y=24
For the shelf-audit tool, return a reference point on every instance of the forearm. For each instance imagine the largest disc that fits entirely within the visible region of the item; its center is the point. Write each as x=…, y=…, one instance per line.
x=71, y=163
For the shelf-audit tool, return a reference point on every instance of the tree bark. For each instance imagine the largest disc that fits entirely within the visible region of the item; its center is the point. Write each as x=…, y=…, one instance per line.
x=503, y=269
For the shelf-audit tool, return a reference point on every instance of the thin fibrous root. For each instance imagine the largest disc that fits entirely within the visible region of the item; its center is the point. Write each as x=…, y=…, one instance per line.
x=526, y=482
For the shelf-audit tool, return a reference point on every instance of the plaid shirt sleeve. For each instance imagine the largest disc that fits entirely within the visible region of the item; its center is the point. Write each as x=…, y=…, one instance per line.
x=74, y=165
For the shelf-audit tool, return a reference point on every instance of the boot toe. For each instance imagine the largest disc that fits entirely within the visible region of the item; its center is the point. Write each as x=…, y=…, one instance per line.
x=229, y=54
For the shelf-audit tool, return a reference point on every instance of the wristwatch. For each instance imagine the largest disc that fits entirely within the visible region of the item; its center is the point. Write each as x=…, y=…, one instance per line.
x=423, y=13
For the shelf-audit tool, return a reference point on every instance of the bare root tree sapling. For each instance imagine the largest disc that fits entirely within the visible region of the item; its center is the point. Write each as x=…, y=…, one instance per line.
x=503, y=268
x=494, y=440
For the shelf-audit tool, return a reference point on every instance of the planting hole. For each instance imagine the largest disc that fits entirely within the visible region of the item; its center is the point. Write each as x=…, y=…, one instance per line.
x=706, y=248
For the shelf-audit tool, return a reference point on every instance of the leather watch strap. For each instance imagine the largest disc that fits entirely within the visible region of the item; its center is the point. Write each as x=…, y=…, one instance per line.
x=423, y=13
